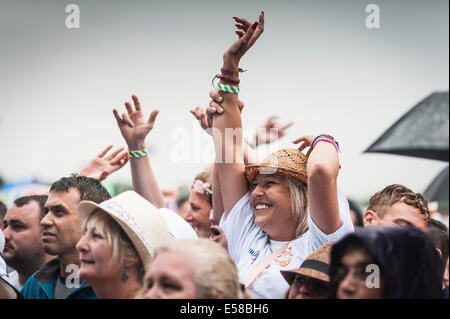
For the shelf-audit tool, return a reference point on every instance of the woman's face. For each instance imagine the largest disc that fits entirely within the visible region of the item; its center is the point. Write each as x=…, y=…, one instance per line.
x=95, y=255
x=170, y=277
x=353, y=276
x=271, y=202
x=198, y=214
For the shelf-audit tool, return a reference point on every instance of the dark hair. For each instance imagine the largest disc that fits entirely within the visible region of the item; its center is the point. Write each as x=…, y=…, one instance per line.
x=355, y=207
x=408, y=261
x=438, y=233
x=89, y=188
x=40, y=199
x=3, y=210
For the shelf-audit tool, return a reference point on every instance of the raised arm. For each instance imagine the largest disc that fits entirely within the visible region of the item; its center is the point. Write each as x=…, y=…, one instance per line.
x=135, y=128
x=227, y=130
x=322, y=170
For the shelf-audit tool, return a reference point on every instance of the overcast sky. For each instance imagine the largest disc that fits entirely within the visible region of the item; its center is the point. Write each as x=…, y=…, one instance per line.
x=316, y=64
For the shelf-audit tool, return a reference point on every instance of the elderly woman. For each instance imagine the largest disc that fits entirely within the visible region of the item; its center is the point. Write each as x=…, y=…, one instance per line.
x=192, y=269
x=119, y=238
x=280, y=211
x=385, y=263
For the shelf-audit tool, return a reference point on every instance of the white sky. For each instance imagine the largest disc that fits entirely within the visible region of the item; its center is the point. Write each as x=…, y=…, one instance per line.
x=316, y=64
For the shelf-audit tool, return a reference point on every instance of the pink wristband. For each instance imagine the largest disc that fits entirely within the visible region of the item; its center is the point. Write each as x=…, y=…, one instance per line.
x=325, y=139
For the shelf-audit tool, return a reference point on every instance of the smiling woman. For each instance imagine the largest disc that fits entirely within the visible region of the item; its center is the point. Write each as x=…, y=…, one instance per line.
x=277, y=212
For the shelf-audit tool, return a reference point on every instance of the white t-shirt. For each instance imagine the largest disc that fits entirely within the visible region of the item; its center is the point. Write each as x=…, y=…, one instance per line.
x=248, y=245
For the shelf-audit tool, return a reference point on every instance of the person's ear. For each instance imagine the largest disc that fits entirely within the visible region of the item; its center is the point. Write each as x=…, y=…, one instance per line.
x=131, y=262
x=370, y=218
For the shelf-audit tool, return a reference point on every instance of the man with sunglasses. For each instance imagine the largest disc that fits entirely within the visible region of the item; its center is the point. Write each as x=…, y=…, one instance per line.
x=311, y=280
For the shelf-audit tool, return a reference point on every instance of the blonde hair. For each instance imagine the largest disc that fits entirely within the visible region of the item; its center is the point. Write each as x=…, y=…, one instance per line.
x=122, y=246
x=299, y=203
x=214, y=272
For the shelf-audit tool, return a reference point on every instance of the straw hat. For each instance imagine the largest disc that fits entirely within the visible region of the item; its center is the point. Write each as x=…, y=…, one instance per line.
x=290, y=161
x=141, y=221
x=315, y=265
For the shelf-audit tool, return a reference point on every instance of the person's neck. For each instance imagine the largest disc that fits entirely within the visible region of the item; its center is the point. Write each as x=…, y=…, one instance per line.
x=25, y=274
x=117, y=289
x=65, y=260
x=285, y=234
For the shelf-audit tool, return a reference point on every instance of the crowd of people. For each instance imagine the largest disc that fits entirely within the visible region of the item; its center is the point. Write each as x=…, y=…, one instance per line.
x=245, y=228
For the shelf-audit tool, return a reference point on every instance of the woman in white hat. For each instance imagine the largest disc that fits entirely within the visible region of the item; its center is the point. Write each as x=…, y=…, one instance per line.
x=280, y=211
x=119, y=238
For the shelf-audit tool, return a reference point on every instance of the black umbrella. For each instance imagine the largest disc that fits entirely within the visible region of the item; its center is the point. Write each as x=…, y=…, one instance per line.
x=438, y=188
x=421, y=132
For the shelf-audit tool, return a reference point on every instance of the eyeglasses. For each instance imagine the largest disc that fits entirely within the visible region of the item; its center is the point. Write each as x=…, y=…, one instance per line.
x=317, y=286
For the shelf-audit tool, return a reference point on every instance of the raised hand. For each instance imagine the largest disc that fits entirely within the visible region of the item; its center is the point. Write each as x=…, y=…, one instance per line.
x=204, y=120
x=271, y=131
x=304, y=142
x=133, y=126
x=248, y=34
x=100, y=167
x=205, y=117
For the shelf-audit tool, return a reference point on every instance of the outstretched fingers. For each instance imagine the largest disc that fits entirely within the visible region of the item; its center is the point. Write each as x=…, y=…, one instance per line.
x=129, y=107
x=152, y=117
x=103, y=153
x=287, y=126
x=113, y=155
x=136, y=102
x=242, y=21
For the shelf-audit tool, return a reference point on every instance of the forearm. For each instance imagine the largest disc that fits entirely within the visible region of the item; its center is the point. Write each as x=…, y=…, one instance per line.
x=227, y=134
x=144, y=181
x=218, y=207
x=322, y=170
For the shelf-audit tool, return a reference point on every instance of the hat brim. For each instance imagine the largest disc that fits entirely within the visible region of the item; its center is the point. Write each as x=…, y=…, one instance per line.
x=289, y=275
x=251, y=171
x=86, y=208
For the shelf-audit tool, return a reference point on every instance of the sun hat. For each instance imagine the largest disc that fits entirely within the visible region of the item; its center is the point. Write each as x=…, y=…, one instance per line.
x=315, y=266
x=289, y=161
x=178, y=227
x=142, y=222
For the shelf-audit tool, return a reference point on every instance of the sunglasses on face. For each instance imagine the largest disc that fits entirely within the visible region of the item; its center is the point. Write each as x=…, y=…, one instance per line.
x=317, y=286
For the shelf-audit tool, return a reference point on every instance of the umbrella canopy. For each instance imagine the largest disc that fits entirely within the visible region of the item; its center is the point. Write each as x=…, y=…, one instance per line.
x=438, y=188
x=421, y=132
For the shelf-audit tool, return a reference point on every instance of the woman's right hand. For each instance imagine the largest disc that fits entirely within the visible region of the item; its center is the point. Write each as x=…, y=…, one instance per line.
x=133, y=126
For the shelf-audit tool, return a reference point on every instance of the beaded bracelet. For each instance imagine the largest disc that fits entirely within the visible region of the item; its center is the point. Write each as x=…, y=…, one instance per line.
x=230, y=72
x=326, y=138
x=228, y=88
x=136, y=154
x=221, y=77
